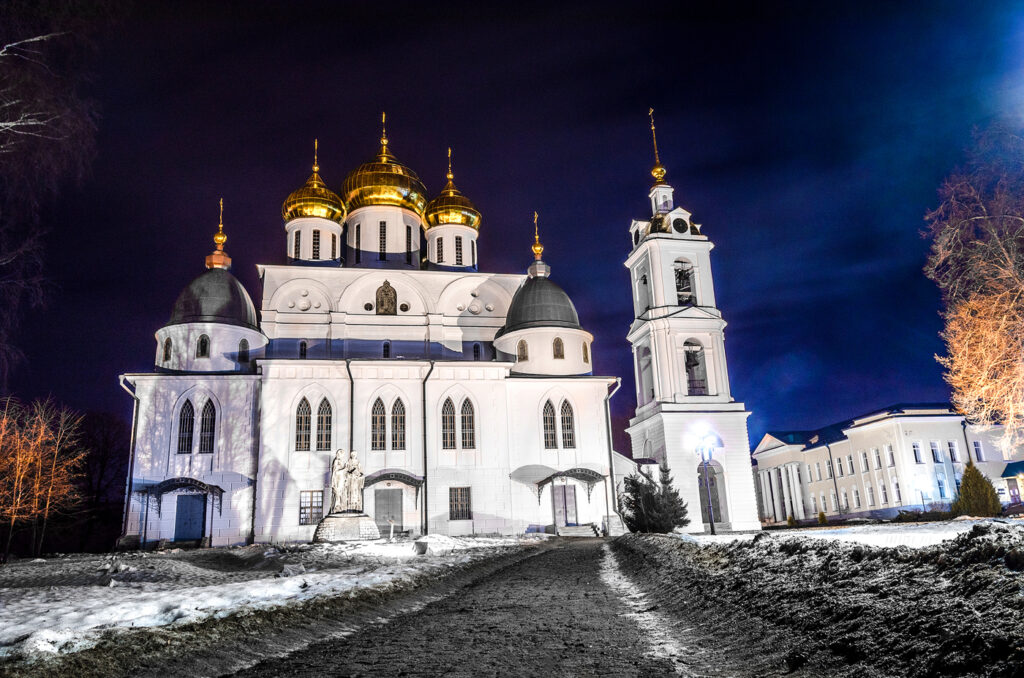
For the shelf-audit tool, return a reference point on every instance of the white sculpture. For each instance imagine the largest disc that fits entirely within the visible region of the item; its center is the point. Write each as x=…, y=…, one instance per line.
x=346, y=483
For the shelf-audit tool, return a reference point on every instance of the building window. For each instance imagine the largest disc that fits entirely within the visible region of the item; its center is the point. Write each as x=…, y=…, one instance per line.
x=936, y=452
x=979, y=455
x=324, y=416
x=871, y=496
x=316, y=243
x=167, y=353
x=839, y=468
x=334, y=246
x=846, y=501
x=207, y=424
x=684, y=284
x=636, y=237
x=814, y=504
x=885, y=493
x=408, y=245
x=849, y=464
x=468, y=425
x=550, y=435
x=440, y=250
x=243, y=351
x=817, y=470
x=863, y=461
x=896, y=491
x=303, y=417
x=386, y=350
x=835, y=504
x=954, y=454
x=378, y=425
x=856, y=498
x=890, y=455
x=586, y=353
x=522, y=353
x=942, y=486
x=878, y=457
x=297, y=245
x=558, y=349
x=828, y=468
x=359, y=244
x=458, y=250
x=203, y=347
x=459, y=507
x=303, y=350
x=568, y=427
x=476, y=351
x=696, y=369
x=186, y=424
x=472, y=247
x=382, y=250
x=917, y=453
x=311, y=507
x=398, y=425
x=448, y=425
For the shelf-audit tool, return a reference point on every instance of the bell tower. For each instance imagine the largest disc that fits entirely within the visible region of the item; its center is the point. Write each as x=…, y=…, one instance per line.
x=683, y=394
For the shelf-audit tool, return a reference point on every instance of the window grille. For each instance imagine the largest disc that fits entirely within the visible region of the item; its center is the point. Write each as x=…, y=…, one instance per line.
x=243, y=351
x=953, y=452
x=303, y=350
x=550, y=435
x=398, y=426
x=359, y=244
x=334, y=246
x=382, y=253
x=378, y=425
x=297, y=245
x=167, y=350
x=448, y=425
x=522, y=352
x=979, y=455
x=459, y=507
x=568, y=426
x=440, y=250
x=458, y=250
x=316, y=243
x=303, y=417
x=311, y=507
x=186, y=423
x=558, y=349
x=476, y=351
x=203, y=347
x=324, y=417
x=936, y=452
x=408, y=244
x=917, y=453
x=468, y=426
x=207, y=425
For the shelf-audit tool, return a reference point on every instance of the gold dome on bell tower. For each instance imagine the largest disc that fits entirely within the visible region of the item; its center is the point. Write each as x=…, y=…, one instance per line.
x=452, y=207
x=384, y=181
x=314, y=199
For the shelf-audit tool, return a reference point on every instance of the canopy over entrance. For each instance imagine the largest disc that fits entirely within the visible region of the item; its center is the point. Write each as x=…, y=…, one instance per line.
x=159, y=489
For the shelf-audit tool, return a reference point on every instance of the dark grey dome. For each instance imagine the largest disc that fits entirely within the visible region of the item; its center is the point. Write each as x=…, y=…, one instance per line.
x=216, y=296
x=540, y=303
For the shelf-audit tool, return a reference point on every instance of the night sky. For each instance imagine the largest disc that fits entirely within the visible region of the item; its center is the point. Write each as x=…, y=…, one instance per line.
x=809, y=140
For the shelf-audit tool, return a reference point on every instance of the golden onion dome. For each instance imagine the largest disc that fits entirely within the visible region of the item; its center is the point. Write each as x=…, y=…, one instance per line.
x=314, y=199
x=451, y=207
x=384, y=181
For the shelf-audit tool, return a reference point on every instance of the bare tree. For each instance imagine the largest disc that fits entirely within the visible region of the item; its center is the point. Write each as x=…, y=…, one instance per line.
x=60, y=462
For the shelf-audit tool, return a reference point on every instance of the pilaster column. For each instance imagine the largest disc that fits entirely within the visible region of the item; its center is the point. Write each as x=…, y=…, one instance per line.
x=787, y=506
x=775, y=476
x=798, y=493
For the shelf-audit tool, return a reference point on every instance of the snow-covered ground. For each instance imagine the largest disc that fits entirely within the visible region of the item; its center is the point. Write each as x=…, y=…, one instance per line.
x=61, y=604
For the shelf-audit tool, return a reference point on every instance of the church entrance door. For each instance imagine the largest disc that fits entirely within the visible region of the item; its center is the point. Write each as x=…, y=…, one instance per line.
x=189, y=517
x=565, y=505
x=716, y=504
x=388, y=506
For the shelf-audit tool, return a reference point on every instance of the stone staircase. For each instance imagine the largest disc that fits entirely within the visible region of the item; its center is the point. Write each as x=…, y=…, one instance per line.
x=587, y=530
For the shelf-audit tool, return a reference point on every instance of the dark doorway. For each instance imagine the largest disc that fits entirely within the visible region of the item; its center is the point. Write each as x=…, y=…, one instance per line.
x=716, y=504
x=388, y=505
x=190, y=517
x=565, y=505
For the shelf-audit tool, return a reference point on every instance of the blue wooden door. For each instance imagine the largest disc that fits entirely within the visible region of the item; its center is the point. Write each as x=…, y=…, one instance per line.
x=190, y=517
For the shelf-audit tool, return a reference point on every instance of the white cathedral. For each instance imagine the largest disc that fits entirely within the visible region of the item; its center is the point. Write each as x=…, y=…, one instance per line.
x=468, y=397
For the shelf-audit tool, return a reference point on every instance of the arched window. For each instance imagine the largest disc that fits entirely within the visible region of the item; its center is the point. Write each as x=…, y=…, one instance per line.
x=167, y=349
x=696, y=370
x=243, y=351
x=522, y=352
x=203, y=347
x=550, y=435
x=636, y=237
x=398, y=426
x=468, y=426
x=558, y=349
x=303, y=350
x=448, y=425
x=207, y=425
x=378, y=425
x=586, y=353
x=386, y=349
x=684, y=284
x=387, y=300
x=324, y=415
x=303, y=417
x=568, y=426
x=476, y=351
x=186, y=423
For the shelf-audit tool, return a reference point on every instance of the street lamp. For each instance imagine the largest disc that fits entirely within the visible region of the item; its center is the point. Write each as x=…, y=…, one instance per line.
x=706, y=446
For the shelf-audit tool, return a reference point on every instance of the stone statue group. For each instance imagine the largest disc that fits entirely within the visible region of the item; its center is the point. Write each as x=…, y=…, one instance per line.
x=347, y=480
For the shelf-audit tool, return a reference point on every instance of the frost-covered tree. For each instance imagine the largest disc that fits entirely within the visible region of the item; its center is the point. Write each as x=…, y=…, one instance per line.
x=652, y=507
x=977, y=496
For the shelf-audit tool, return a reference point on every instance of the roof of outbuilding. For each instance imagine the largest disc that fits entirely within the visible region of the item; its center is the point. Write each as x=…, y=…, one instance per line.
x=215, y=296
x=540, y=303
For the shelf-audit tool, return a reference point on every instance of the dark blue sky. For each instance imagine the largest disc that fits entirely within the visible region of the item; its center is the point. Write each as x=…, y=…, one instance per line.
x=809, y=140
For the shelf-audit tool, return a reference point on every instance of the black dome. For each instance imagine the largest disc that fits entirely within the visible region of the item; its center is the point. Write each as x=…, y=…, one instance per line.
x=540, y=303
x=215, y=296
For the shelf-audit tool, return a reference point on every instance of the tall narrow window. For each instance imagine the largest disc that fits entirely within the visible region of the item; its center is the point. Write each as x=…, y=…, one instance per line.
x=586, y=353
x=896, y=491
x=440, y=250
x=386, y=350
x=917, y=453
x=297, y=245
x=936, y=452
x=522, y=352
x=558, y=349
x=203, y=347
x=186, y=424
x=408, y=245
x=846, y=501
x=378, y=425
x=303, y=350
x=458, y=250
x=954, y=452
x=459, y=507
x=243, y=351
x=696, y=369
x=839, y=467
x=382, y=252
x=398, y=425
x=878, y=457
x=468, y=426
x=890, y=455
x=472, y=247
x=871, y=496
x=979, y=455
x=324, y=417
x=334, y=245
x=863, y=461
x=550, y=435
x=316, y=243
x=207, y=425
x=359, y=244
x=856, y=498
x=303, y=417
x=311, y=507
x=448, y=425
x=849, y=464
x=167, y=350
x=885, y=493
x=568, y=427
x=828, y=468
x=684, y=284
x=476, y=351
x=942, y=487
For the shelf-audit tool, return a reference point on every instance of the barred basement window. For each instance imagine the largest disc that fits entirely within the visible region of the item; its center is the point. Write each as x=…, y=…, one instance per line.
x=568, y=426
x=468, y=426
x=459, y=507
x=979, y=455
x=476, y=351
x=334, y=246
x=448, y=425
x=316, y=243
x=378, y=425
x=382, y=251
x=311, y=507
x=458, y=250
x=558, y=349
x=303, y=419
x=167, y=353
x=440, y=250
x=359, y=247
x=324, y=417
x=203, y=347
x=398, y=426
x=408, y=244
x=550, y=435
x=586, y=353
x=243, y=351
x=206, y=428
x=297, y=245
x=522, y=352
x=186, y=423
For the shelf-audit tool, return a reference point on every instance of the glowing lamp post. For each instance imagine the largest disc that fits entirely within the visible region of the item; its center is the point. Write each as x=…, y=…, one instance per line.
x=706, y=446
